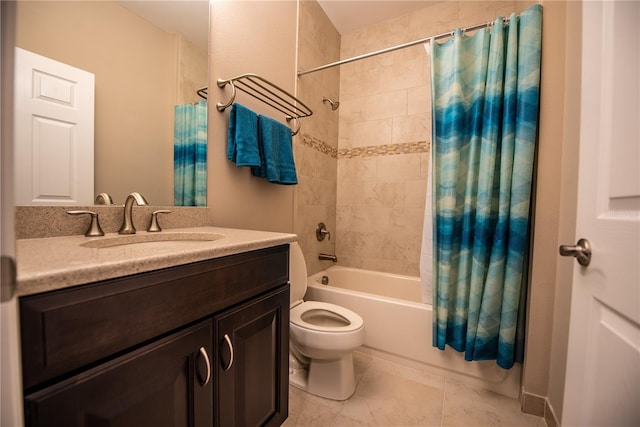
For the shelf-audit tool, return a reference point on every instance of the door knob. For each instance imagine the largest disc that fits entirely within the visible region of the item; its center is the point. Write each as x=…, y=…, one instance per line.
x=581, y=251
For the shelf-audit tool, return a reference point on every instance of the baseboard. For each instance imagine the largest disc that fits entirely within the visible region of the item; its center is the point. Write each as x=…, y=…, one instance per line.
x=533, y=404
x=540, y=407
x=550, y=416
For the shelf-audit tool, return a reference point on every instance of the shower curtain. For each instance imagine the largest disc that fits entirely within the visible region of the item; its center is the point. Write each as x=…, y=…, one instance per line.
x=190, y=155
x=485, y=109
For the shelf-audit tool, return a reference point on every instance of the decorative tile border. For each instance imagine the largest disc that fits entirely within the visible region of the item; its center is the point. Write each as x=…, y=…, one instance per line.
x=384, y=150
x=368, y=151
x=319, y=145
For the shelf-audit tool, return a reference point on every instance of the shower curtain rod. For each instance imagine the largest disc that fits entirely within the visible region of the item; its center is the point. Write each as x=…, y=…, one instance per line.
x=398, y=47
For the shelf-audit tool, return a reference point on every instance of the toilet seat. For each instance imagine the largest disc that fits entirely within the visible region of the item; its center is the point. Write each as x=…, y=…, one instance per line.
x=297, y=313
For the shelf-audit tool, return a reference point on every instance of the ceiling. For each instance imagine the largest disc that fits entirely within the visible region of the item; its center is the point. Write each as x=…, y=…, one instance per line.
x=351, y=15
x=191, y=17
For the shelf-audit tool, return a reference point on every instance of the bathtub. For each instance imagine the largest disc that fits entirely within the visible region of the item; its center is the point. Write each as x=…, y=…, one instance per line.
x=398, y=326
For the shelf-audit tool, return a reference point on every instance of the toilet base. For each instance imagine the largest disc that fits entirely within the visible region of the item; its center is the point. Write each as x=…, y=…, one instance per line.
x=332, y=379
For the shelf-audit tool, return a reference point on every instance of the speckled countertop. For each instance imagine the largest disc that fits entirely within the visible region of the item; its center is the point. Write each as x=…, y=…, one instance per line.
x=46, y=264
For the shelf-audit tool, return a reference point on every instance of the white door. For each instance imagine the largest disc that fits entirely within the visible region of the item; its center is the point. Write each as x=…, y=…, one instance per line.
x=53, y=133
x=602, y=385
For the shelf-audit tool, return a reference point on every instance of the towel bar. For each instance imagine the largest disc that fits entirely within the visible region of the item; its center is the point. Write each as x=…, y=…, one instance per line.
x=203, y=92
x=267, y=92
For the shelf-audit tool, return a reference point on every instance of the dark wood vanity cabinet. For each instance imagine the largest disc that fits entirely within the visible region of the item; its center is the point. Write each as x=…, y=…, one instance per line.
x=202, y=344
x=252, y=343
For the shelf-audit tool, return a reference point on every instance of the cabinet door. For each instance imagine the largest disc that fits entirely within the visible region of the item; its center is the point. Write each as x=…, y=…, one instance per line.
x=165, y=383
x=252, y=362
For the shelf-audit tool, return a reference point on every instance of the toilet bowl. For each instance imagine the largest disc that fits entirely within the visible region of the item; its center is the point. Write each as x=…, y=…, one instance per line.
x=322, y=339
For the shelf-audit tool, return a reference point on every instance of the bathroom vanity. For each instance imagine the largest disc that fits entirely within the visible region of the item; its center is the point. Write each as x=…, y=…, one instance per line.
x=201, y=343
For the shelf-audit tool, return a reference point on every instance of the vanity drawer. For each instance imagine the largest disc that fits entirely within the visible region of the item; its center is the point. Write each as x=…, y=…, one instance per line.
x=70, y=329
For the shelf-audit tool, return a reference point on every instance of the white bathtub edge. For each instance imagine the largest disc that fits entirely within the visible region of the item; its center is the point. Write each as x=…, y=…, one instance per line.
x=410, y=344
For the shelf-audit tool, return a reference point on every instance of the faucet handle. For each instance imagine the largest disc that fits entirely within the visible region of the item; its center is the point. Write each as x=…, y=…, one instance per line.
x=94, y=229
x=154, y=227
x=321, y=231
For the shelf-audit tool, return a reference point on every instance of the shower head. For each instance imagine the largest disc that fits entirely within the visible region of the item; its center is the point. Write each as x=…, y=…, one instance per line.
x=334, y=104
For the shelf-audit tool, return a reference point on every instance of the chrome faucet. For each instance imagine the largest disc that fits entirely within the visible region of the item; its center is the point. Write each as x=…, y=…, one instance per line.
x=103, y=199
x=127, y=220
x=327, y=257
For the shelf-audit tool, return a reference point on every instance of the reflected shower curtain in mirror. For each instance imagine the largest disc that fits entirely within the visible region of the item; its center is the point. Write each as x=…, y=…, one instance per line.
x=190, y=155
x=485, y=110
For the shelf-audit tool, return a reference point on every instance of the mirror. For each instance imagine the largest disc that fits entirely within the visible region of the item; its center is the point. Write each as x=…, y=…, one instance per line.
x=147, y=57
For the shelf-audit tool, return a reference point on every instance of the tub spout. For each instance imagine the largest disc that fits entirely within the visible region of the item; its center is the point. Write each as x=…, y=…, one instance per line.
x=327, y=257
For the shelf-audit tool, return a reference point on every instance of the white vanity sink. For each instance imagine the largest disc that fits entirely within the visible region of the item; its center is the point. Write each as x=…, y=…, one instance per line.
x=152, y=239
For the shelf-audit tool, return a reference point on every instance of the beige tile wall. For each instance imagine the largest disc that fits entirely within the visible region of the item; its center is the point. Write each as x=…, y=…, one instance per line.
x=384, y=135
x=315, y=147
x=380, y=211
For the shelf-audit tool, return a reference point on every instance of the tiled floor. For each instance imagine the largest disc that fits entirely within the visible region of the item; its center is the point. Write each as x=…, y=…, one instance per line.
x=388, y=394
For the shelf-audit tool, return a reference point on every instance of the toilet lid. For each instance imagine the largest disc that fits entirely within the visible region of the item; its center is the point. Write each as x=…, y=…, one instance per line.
x=299, y=312
x=297, y=272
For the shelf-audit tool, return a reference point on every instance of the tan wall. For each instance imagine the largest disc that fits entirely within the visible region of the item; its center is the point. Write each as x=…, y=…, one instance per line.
x=545, y=238
x=11, y=398
x=568, y=208
x=316, y=146
x=550, y=296
x=556, y=200
x=135, y=69
x=248, y=37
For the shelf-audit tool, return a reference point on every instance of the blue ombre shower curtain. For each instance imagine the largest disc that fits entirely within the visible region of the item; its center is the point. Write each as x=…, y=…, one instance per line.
x=190, y=155
x=485, y=108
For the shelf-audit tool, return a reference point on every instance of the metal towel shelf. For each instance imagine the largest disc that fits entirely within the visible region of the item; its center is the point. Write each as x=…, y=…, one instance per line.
x=203, y=92
x=267, y=92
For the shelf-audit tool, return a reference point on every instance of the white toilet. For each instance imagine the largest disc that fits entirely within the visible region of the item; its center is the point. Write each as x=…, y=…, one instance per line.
x=322, y=339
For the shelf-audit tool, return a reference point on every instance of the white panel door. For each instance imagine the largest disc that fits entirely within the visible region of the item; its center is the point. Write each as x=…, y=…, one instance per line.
x=53, y=134
x=602, y=385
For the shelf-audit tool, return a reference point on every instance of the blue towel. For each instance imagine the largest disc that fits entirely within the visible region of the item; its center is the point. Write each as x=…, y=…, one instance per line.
x=275, y=142
x=242, y=137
